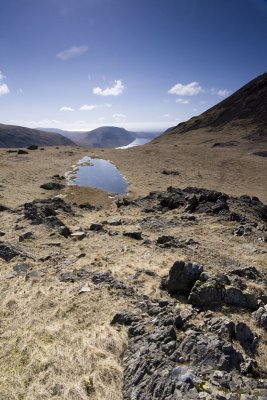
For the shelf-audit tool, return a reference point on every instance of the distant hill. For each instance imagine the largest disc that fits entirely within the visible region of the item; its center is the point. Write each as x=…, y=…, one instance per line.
x=105, y=136
x=242, y=116
x=18, y=136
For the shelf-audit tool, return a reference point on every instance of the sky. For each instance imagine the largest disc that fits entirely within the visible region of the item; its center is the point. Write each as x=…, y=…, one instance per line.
x=144, y=65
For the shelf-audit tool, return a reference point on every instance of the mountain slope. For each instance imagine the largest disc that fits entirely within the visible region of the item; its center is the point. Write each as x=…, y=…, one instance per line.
x=104, y=136
x=18, y=136
x=244, y=111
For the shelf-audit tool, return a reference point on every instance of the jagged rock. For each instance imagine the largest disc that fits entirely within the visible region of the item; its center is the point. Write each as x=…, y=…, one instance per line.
x=208, y=294
x=25, y=236
x=245, y=336
x=168, y=241
x=192, y=203
x=261, y=317
x=2, y=233
x=64, y=231
x=182, y=277
x=20, y=151
x=208, y=351
x=8, y=251
x=137, y=235
x=52, y=186
x=236, y=297
x=222, y=326
x=247, y=272
x=169, y=172
x=32, y=147
x=96, y=227
x=45, y=211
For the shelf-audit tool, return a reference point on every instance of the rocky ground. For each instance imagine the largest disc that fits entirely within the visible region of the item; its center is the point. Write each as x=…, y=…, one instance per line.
x=155, y=295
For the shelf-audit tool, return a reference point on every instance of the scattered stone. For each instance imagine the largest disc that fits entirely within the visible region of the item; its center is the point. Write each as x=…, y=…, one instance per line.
x=182, y=277
x=79, y=235
x=87, y=206
x=52, y=186
x=2, y=233
x=64, y=231
x=188, y=217
x=25, y=236
x=137, y=235
x=8, y=251
x=169, y=172
x=84, y=289
x=20, y=151
x=21, y=268
x=4, y=208
x=96, y=227
x=168, y=241
x=115, y=222
x=32, y=147
x=247, y=272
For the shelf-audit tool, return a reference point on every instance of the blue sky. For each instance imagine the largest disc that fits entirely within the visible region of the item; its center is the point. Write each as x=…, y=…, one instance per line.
x=140, y=64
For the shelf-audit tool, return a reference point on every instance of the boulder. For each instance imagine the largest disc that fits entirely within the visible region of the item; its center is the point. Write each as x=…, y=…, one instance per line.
x=20, y=151
x=52, y=186
x=261, y=317
x=208, y=294
x=246, y=337
x=236, y=297
x=182, y=277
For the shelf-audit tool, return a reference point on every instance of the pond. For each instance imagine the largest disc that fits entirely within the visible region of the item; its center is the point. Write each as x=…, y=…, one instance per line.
x=97, y=173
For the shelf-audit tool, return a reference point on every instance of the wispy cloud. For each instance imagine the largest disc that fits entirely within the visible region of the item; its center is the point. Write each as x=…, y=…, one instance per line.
x=223, y=92
x=66, y=109
x=4, y=89
x=114, y=90
x=119, y=117
x=189, y=89
x=219, y=92
x=72, y=52
x=91, y=107
x=166, y=115
x=182, y=101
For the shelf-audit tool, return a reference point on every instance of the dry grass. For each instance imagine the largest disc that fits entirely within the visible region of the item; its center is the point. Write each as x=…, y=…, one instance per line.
x=55, y=340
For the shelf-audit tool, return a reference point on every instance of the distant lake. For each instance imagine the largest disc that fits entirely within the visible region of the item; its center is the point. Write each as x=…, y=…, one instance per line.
x=136, y=142
x=97, y=173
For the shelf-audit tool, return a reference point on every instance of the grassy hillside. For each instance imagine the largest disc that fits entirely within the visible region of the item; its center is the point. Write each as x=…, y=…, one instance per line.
x=18, y=136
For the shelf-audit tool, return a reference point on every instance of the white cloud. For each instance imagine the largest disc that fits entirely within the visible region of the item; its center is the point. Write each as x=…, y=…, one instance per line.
x=66, y=109
x=223, y=93
x=119, y=117
x=114, y=90
x=2, y=76
x=91, y=107
x=101, y=119
x=72, y=52
x=182, y=101
x=4, y=89
x=166, y=115
x=190, y=89
x=220, y=92
x=86, y=107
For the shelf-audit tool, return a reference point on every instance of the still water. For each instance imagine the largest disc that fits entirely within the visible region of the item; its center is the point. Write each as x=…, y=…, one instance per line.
x=98, y=173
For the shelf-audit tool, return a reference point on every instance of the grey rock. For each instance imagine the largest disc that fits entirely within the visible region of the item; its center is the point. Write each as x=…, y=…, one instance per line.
x=208, y=294
x=246, y=337
x=21, y=268
x=20, y=151
x=96, y=227
x=236, y=297
x=137, y=235
x=25, y=236
x=182, y=277
x=8, y=251
x=261, y=317
x=52, y=186
x=78, y=235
